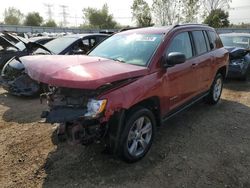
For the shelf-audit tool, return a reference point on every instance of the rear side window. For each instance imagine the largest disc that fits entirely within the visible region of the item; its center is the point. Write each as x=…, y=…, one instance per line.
x=181, y=43
x=207, y=41
x=200, y=42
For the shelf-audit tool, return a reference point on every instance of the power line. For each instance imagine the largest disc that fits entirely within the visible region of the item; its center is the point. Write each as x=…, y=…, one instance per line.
x=64, y=14
x=49, y=12
x=240, y=7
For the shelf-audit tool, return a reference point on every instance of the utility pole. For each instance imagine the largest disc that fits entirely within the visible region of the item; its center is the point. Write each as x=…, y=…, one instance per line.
x=64, y=14
x=49, y=10
x=75, y=20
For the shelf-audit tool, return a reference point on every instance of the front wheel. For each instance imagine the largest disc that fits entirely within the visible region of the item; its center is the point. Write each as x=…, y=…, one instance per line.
x=138, y=134
x=215, y=90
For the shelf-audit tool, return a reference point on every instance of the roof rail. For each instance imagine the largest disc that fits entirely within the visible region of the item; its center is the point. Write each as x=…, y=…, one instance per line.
x=129, y=28
x=186, y=24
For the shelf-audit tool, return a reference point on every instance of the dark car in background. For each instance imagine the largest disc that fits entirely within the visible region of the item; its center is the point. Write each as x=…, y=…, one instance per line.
x=17, y=82
x=16, y=46
x=238, y=45
x=73, y=44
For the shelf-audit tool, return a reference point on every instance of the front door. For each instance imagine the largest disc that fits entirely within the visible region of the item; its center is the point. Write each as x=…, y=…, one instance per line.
x=179, y=82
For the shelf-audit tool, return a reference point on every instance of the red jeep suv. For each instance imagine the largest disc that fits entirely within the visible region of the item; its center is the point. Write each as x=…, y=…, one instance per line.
x=130, y=84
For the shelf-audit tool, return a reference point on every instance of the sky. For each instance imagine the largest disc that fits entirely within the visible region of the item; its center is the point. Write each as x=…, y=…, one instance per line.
x=239, y=11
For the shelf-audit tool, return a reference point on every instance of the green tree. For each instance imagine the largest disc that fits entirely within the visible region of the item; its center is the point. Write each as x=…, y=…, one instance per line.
x=217, y=18
x=141, y=13
x=191, y=10
x=33, y=19
x=12, y=16
x=50, y=23
x=167, y=12
x=210, y=5
x=101, y=19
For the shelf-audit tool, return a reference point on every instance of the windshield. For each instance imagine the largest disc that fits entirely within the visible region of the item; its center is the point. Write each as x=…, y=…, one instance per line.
x=236, y=41
x=134, y=49
x=57, y=45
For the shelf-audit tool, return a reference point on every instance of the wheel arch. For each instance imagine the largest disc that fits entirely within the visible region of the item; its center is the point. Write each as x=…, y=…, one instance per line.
x=151, y=103
x=223, y=71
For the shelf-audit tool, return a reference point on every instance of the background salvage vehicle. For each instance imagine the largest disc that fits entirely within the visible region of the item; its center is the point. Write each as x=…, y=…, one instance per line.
x=131, y=83
x=17, y=82
x=238, y=45
x=16, y=46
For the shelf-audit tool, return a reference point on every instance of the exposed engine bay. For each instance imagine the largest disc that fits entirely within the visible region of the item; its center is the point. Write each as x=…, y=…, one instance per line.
x=77, y=113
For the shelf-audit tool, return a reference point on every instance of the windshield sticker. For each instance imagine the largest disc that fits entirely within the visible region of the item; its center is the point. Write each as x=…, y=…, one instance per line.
x=146, y=39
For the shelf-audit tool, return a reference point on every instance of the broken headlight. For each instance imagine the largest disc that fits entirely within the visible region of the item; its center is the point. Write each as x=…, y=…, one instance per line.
x=237, y=62
x=95, y=107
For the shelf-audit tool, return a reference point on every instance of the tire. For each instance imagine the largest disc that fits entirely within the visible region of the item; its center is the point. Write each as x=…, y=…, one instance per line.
x=244, y=77
x=215, y=90
x=135, y=143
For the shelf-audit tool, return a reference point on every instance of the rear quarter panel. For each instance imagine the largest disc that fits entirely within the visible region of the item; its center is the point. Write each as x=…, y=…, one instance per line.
x=221, y=59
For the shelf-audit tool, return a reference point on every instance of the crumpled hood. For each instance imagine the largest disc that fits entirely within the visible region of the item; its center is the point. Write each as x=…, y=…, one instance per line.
x=78, y=71
x=237, y=52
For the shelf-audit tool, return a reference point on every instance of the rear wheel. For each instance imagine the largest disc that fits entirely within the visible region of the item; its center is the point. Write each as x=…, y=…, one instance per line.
x=138, y=135
x=215, y=90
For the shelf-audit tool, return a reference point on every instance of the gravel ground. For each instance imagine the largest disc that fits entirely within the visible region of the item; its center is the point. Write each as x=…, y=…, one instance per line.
x=204, y=147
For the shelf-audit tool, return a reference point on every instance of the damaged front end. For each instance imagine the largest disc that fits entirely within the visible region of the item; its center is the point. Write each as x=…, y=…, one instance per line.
x=239, y=62
x=78, y=113
x=16, y=81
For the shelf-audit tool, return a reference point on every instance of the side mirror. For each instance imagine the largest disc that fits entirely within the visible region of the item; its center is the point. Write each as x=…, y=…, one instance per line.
x=174, y=58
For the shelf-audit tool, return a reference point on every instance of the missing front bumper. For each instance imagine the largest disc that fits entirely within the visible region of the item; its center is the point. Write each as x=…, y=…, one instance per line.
x=63, y=114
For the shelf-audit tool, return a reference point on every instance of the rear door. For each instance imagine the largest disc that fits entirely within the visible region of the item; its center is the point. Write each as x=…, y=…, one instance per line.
x=202, y=61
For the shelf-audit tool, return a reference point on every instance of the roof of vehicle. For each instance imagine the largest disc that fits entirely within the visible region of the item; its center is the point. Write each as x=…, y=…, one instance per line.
x=84, y=35
x=161, y=29
x=236, y=34
x=34, y=39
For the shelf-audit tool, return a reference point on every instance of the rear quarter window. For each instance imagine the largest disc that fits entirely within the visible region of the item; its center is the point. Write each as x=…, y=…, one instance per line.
x=214, y=40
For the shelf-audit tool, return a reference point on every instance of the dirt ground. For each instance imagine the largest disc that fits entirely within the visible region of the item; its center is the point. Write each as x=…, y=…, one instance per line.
x=205, y=147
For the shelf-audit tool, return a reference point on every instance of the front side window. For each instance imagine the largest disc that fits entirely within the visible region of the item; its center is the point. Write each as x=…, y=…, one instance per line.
x=92, y=42
x=181, y=43
x=200, y=42
x=101, y=38
x=133, y=48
